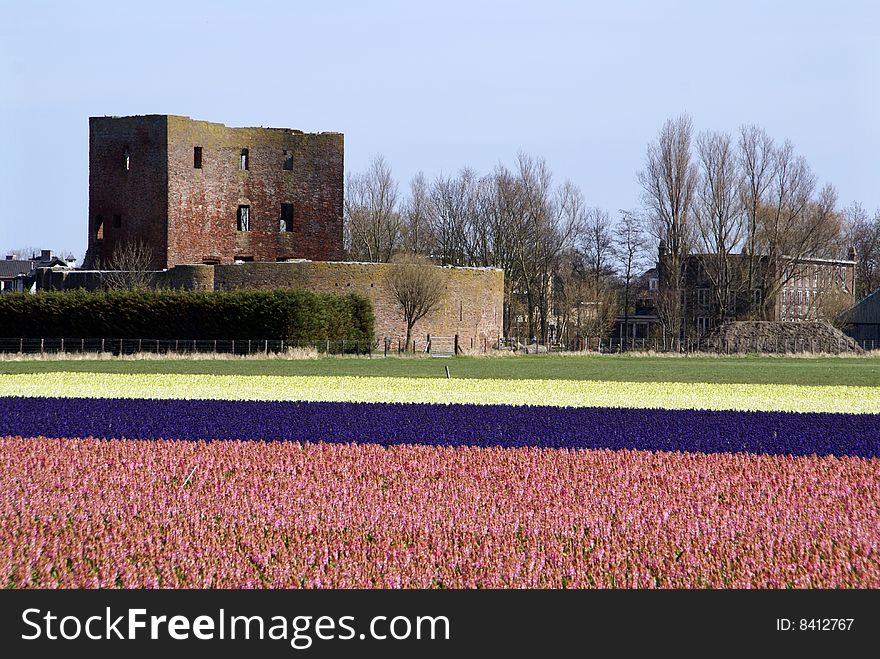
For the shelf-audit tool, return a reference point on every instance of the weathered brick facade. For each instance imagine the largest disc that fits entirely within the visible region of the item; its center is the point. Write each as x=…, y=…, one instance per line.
x=472, y=304
x=471, y=307
x=178, y=185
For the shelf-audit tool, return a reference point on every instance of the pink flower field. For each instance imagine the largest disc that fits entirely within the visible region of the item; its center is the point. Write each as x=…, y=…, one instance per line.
x=93, y=513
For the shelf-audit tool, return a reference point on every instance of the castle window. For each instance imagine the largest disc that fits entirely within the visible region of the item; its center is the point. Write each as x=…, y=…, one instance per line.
x=288, y=161
x=703, y=296
x=197, y=157
x=244, y=218
x=117, y=221
x=127, y=157
x=243, y=259
x=99, y=227
x=286, y=218
x=243, y=163
x=652, y=284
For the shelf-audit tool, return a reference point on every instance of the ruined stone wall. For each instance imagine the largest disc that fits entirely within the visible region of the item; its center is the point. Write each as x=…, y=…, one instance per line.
x=472, y=305
x=127, y=203
x=203, y=203
x=188, y=214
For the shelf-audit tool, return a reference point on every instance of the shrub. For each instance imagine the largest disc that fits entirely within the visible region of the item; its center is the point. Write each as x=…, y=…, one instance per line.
x=291, y=315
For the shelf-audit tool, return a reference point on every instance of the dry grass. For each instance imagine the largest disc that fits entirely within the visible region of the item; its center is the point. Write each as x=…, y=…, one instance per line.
x=313, y=354
x=290, y=353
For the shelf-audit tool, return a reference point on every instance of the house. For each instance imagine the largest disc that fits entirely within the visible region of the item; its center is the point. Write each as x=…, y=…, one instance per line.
x=16, y=275
x=798, y=290
x=641, y=322
x=11, y=270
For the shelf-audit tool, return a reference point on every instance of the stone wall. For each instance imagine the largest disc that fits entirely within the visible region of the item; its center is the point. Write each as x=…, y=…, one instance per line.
x=471, y=306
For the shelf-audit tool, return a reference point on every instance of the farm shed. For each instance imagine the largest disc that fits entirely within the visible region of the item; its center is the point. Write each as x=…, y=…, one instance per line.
x=862, y=320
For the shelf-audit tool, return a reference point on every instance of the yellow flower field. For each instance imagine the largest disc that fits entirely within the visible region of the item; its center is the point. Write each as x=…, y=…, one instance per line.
x=572, y=393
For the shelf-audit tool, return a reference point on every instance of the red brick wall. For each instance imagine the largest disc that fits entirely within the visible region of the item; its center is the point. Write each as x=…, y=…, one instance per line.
x=189, y=215
x=139, y=195
x=203, y=203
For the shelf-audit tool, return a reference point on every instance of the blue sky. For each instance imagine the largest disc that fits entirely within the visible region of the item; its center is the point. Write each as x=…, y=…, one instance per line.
x=435, y=86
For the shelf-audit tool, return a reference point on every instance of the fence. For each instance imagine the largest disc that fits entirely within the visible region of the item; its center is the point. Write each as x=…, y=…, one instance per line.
x=719, y=346
x=436, y=346
x=133, y=346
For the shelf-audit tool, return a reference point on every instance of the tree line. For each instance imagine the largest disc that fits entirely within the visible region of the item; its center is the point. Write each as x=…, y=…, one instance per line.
x=753, y=210
x=739, y=201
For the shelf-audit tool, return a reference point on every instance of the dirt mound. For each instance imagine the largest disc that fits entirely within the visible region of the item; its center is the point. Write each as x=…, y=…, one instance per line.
x=781, y=337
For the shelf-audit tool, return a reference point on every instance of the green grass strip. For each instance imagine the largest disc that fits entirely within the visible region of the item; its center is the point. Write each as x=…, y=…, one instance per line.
x=855, y=371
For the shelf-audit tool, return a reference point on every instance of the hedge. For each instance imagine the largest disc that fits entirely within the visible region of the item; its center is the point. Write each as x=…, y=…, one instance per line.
x=291, y=315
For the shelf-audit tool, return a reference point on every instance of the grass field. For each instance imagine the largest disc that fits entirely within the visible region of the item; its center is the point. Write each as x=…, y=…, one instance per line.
x=856, y=371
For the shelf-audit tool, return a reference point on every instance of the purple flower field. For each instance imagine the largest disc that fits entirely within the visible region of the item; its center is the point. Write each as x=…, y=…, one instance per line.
x=774, y=433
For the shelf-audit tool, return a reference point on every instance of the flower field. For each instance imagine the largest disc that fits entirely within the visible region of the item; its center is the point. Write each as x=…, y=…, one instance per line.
x=706, y=431
x=251, y=481
x=564, y=393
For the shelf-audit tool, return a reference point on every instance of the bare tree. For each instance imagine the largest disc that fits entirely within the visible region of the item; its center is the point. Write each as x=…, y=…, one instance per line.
x=582, y=311
x=584, y=298
x=669, y=181
x=129, y=266
x=372, y=220
x=795, y=223
x=544, y=229
x=23, y=253
x=503, y=207
x=452, y=202
x=863, y=234
x=630, y=249
x=719, y=220
x=417, y=286
x=416, y=236
x=757, y=162
x=829, y=305
x=480, y=228
x=595, y=242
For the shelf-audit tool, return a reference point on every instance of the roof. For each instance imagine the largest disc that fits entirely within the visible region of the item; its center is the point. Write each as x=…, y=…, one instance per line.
x=801, y=260
x=866, y=310
x=10, y=269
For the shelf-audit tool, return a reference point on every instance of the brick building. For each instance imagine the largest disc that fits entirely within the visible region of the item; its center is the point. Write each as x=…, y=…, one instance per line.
x=200, y=192
x=802, y=290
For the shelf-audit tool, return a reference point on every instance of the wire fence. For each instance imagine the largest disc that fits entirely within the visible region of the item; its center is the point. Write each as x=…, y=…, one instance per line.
x=181, y=346
x=759, y=345
x=425, y=345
